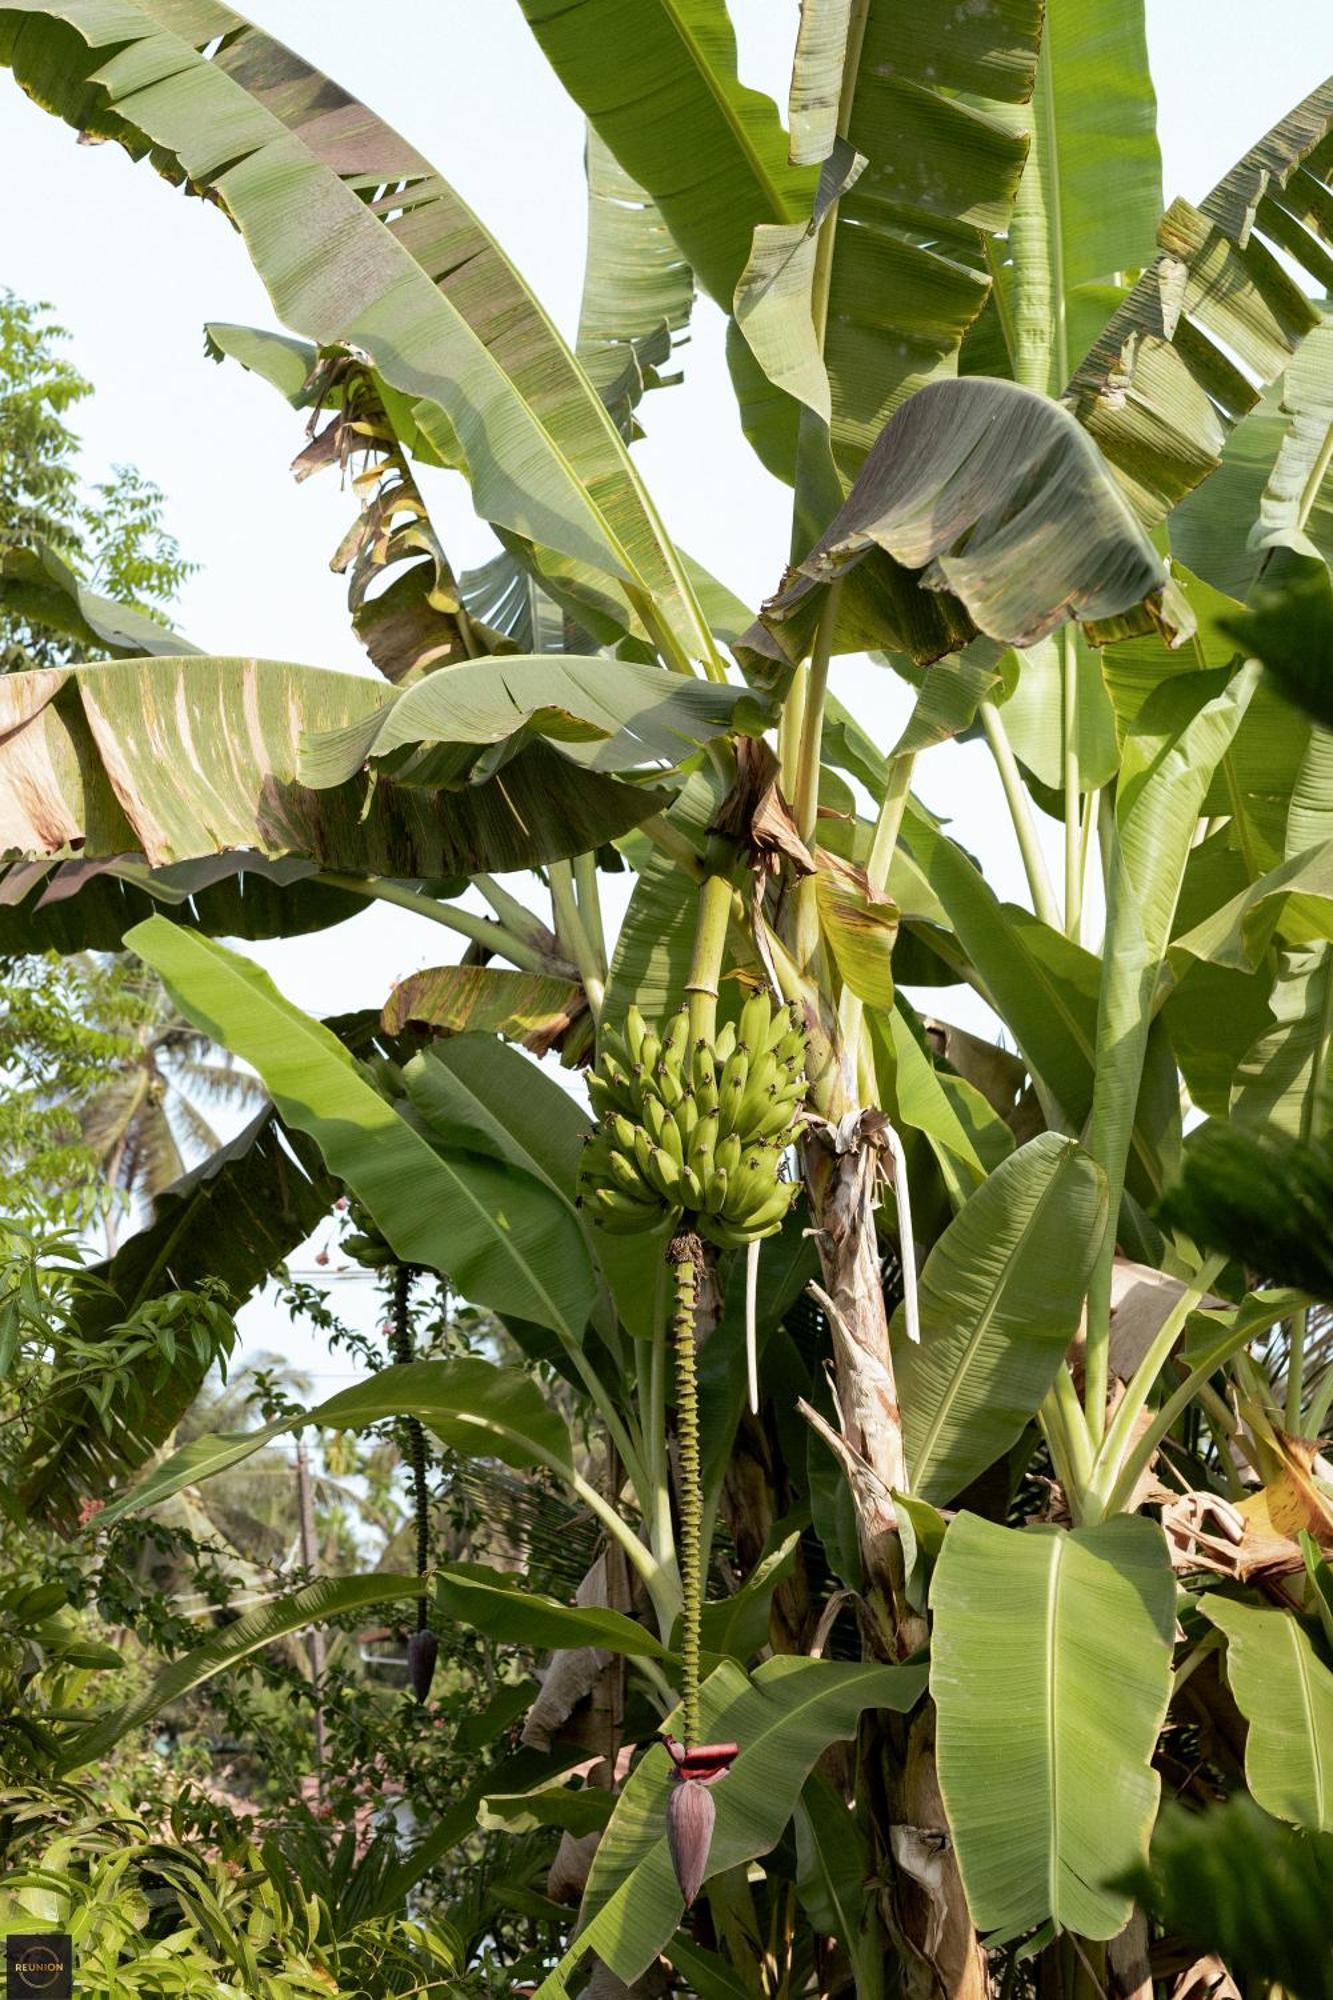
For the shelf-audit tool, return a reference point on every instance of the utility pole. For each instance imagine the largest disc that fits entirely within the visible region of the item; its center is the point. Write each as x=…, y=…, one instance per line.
x=315, y=1638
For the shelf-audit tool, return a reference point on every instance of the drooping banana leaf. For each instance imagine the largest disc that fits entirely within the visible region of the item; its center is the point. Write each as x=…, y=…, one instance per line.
x=502, y=1237
x=234, y=1219
x=36, y=584
x=1000, y=1296
x=505, y=1607
x=70, y=906
x=983, y=507
x=1051, y=1672
x=474, y=1407
x=466, y=725
x=178, y=759
x=360, y=243
x=1159, y=389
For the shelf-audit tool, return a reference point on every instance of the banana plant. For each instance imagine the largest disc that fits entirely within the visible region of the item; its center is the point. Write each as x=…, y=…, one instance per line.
x=814, y=1263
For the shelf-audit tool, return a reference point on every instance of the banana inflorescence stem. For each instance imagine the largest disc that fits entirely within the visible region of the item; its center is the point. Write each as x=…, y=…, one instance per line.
x=416, y=1436
x=685, y=1255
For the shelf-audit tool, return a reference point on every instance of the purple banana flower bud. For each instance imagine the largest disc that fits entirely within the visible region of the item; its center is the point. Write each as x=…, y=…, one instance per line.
x=690, y=1817
x=422, y=1651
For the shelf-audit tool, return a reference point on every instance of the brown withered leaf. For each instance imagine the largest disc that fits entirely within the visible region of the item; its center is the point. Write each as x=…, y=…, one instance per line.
x=756, y=815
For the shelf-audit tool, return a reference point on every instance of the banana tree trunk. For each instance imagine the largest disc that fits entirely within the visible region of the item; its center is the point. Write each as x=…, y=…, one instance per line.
x=926, y=1907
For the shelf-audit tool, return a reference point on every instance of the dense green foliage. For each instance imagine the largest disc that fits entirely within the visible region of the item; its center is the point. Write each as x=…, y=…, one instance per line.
x=806, y=1584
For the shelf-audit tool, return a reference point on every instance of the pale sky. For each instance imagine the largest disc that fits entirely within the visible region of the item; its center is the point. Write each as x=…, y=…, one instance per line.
x=134, y=270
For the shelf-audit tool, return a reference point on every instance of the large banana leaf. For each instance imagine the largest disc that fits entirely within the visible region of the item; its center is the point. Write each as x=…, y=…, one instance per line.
x=657, y=81
x=501, y=1237
x=1178, y=739
x=506, y=1608
x=983, y=507
x=360, y=243
x=611, y=716
x=783, y=1719
x=178, y=758
x=1091, y=191
x=1051, y=1671
x=233, y=1219
x=926, y=99
x=1285, y=1693
x=1000, y=1296
x=78, y=905
x=330, y=1597
x=1160, y=389
x=474, y=1407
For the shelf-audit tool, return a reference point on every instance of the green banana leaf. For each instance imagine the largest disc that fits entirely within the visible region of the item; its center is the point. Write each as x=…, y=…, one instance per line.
x=783, y=1718
x=419, y=287
x=1292, y=903
x=234, y=1219
x=1285, y=1693
x=205, y=756
x=1000, y=1296
x=77, y=905
x=611, y=716
x=1091, y=191
x=1176, y=743
x=833, y=1881
x=575, y=1809
x=330, y=1597
x=504, y=1607
x=1159, y=388
x=638, y=289
x=1282, y=1078
x=470, y=1404
x=1274, y=487
x=1046, y=989
x=657, y=81
x=1051, y=1672
x=474, y=1095
x=502, y=1238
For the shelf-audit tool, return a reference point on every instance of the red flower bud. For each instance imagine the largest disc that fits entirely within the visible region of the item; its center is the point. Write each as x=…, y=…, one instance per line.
x=422, y=1651
x=690, y=1817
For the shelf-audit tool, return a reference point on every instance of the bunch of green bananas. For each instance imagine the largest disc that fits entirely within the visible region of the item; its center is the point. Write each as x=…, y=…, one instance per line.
x=698, y=1129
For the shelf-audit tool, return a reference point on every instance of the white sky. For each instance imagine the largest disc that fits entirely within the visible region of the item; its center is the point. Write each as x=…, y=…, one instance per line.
x=134, y=270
